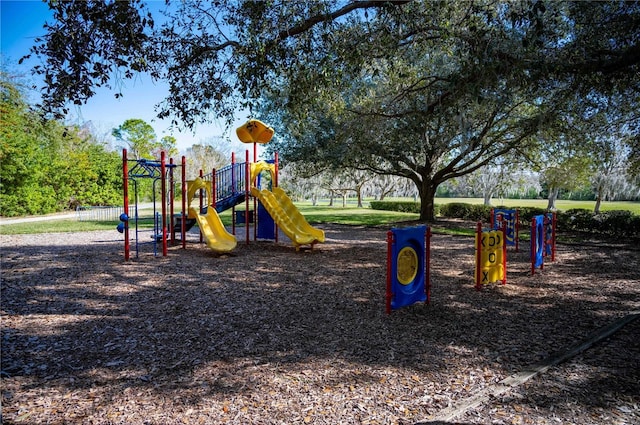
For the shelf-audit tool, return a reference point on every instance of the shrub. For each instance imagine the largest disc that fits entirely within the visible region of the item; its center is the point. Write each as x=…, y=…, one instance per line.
x=479, y=212
x=455, y=210
x=613, y=223
x=398, y=206
x=525, y=214
x=466, y=211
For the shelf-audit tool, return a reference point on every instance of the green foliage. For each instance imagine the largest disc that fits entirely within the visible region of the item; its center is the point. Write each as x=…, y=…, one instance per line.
x=47, y=166
x=476, y=212
x=399, y=206
x=620, y=223
x=525, y=214
x=425, y=90
x=140, y=139
x=114, y=31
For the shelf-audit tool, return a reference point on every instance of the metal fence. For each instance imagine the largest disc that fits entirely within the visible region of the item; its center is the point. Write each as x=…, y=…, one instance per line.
x=102, y=213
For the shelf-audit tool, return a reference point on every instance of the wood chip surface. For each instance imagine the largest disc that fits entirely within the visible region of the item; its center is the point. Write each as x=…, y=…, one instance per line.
x=268, y=335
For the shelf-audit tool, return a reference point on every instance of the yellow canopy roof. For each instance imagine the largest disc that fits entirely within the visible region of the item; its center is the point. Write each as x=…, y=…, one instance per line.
x=254, y=131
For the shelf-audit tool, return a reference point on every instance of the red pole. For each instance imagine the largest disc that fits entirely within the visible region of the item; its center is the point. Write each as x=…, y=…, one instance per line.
x=213, y=187
x=504, y=252
x=171, y=199
x=517, y=230
x=533, y=246
x=163, y=185
x=201, y=194
x=184, y=203
x=125, y=183
x=255, y=201
x=427, y=271
x=553, y=236
x=544, y=241
x=493, y=217
x=276, y=185
x=247, y=187
x=233, y=191
x=478, y=254
x=389, y=294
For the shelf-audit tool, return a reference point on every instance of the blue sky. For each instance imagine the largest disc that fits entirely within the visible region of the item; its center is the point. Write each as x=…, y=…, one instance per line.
x=22, y=21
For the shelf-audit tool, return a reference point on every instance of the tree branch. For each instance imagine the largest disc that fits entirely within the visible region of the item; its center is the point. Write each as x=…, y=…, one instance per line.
x=328, y=17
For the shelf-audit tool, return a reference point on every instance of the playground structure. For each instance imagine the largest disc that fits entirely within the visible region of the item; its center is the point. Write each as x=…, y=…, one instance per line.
x=543, y=239
x=218, y=191
x=408, y=267
x=491, y=256
x=157, y=171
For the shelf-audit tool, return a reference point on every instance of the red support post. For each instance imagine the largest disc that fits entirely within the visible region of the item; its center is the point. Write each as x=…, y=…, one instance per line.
x=171, y=199
x=255, y=200
x=517, y=230
x=544, y=242
x=389, y=294
x=478, y=255
x=125, y=185
x=248, y=189
x=201, y=204
x=163, y=185
x=427, y=266
x=504, y=252
x=553, y=236
x=213, y=188
x=533, y=246
x=233, y=190
x=276, y=185
x=184, y=203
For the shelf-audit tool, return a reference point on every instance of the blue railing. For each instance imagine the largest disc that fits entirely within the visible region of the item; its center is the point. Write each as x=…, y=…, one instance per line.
x=230, y=185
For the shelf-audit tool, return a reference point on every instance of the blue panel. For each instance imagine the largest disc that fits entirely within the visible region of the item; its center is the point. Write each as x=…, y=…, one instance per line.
x=413, y=291
x=510, y=217
x=266, y=225
x=538, y=243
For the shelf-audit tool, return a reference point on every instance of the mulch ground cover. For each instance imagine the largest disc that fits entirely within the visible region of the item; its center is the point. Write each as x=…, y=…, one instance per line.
x=268, y=335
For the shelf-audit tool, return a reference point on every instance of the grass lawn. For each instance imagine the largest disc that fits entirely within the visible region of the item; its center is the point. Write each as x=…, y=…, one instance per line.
x=562, y=205
x=320, y=213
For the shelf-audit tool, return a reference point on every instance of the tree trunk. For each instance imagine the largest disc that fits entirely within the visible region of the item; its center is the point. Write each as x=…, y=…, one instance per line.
x=487, y=197
x=596, y=209
x=359, y=192
x=599, y=193
x=427, y=191
x=553, y=195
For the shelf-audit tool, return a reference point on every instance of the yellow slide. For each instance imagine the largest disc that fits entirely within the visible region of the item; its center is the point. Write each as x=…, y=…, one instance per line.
x=296, y=216
x=214, y=232
x=288, y=218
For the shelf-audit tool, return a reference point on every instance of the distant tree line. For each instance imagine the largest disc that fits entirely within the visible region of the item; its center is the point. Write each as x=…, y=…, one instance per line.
x=48, y=166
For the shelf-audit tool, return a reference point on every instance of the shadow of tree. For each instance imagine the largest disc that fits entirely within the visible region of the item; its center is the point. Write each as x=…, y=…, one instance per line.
x=192, y=325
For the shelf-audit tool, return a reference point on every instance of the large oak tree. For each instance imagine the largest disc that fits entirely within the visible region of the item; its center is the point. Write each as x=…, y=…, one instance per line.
x=425, y=90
